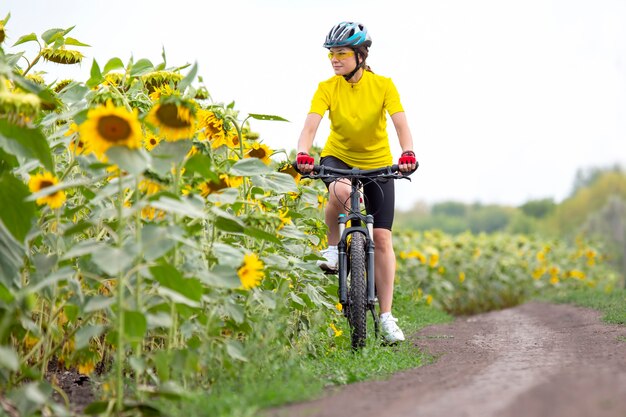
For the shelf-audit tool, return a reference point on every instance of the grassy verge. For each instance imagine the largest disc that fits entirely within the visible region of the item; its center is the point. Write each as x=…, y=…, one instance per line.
x=612, y=305
x=302, y=377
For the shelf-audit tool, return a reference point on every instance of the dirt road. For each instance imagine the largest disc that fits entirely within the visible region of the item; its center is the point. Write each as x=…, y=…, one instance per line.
x=537, y=359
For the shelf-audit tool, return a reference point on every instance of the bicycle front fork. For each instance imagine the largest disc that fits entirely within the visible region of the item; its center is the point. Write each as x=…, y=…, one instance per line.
x=342, y=247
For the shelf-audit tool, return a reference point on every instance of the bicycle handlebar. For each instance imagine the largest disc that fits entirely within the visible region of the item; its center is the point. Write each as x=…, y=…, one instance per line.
x=321, y=172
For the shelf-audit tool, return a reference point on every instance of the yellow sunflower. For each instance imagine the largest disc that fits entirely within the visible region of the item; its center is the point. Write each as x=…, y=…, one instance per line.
x=210, y=187
x=40, y=181
x=288, y=168
x=212, y=127
x=150, y=141
x=251, y=272
x=108, y=126
x=174, y=121
x=260, y=151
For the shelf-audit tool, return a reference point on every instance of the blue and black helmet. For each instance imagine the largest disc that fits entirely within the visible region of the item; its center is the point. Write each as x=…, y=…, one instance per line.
x=350, y=34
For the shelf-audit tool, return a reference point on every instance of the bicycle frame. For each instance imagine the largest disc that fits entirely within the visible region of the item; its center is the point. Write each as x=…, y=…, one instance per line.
x=357, y=260
x=356, y=219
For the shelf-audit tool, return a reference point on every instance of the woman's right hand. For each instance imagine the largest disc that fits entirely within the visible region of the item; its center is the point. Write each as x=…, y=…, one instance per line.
x=305, y=162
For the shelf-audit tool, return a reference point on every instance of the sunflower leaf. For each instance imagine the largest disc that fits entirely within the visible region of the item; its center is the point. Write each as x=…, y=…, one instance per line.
x=25, y=142
x=113, y=64
x=249, y=167
x=12, y=256
x=133, y=161
x=15, y=213
x=96, y=76
x=276, y=181
x=74, y=42
x=267, y=117
x=186, y=82
x=51, y=35
x=26, y=38
x=141, y=67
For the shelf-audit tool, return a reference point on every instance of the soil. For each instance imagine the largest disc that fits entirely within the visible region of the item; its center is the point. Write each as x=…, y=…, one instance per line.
x=537, y=359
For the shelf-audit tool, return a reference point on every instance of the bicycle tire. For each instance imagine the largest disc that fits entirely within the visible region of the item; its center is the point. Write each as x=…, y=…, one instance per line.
x=357, y=290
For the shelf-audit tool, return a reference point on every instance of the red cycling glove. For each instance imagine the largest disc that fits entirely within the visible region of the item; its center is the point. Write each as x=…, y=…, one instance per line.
x=304, y=158
x=407, y=157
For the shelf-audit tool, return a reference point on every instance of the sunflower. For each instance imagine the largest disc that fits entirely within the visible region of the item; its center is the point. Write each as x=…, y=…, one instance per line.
x=174, y=120
x=210, y=187
x=164, y=91
x=260, y=151
x=150, y=141
x=251, y=272
x=62, y=55
x=212, y=127
x=40, y=181
x=287, y=168
x=108, y=126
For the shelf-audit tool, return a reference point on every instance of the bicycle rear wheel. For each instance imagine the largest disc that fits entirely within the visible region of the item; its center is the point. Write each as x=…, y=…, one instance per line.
x=357, y=290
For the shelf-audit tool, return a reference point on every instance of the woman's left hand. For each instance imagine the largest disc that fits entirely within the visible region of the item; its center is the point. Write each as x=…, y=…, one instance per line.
x=407, y=162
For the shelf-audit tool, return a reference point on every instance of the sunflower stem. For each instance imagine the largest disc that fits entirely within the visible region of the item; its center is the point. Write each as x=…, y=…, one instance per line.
x=119, y=394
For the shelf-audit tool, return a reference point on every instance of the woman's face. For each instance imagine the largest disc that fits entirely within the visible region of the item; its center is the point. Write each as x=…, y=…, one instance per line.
x=343, y=60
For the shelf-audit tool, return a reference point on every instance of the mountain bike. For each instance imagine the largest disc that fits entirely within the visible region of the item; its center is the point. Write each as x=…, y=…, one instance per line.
x=357, y=289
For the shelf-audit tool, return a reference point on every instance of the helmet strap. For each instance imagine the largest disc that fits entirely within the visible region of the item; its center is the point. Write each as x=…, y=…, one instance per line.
x=359, y=65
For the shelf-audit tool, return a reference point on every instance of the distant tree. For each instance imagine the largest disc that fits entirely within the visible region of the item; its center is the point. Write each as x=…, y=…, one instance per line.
x=538, y=208
x=449, y=208
x=587, y=177
x=489, y=219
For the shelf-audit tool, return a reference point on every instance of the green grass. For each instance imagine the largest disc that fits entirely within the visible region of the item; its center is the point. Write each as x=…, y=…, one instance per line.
x=302, y=377
x=612, y=305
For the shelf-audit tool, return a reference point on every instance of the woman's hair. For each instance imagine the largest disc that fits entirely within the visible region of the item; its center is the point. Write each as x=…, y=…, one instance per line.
x=362, y=52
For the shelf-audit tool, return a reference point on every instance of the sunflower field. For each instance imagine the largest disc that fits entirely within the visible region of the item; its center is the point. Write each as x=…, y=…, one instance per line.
x=150, y=238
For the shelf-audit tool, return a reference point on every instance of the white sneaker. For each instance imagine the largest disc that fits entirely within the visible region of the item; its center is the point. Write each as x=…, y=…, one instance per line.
x=330, y=264
x=390, y=330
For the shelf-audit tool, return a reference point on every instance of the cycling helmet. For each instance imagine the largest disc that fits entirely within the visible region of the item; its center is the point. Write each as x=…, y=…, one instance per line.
x=351, y=34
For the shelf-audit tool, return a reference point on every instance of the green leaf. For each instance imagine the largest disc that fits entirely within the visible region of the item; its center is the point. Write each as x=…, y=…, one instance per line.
x=227, y=222
x=113, y=261
x=250, y=167
x=135, y=325
x=97, y=303
x=279, y=182
x=156, y=241
x=200, y=164
x=12, y=256
x=26, y=38
x=9, y=359
x=166, y=154
x=141, y=67
x=267, y=117
x=185, y=207
x=15, y=213
x=234, y=348
x=96, y=407
x=221, y=276
x=52, y=35
x=74, y=42
x=262, y=235
x=170, y=277
x=25, y=142
x=113, y=64
x=86, y=333
x=133, y=161
x=96, y=75
x=191, y=75
x=235, y=312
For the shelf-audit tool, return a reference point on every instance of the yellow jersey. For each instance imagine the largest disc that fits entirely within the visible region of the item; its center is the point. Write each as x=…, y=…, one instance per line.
x=358, y=119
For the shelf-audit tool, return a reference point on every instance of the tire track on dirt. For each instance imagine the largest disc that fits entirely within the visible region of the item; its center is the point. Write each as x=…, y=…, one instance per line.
x=537, y=359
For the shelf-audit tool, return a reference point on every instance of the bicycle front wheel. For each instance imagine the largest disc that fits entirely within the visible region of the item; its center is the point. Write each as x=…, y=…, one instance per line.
x=357, y=290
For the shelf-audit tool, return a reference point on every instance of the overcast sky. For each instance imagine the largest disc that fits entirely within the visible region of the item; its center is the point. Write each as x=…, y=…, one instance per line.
x=506, y=99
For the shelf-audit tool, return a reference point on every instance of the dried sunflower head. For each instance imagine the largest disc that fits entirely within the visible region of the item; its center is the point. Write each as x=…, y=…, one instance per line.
x=156, y=79
x=62, y=55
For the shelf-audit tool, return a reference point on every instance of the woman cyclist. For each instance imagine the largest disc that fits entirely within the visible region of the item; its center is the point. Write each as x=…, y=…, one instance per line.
x=358, y=102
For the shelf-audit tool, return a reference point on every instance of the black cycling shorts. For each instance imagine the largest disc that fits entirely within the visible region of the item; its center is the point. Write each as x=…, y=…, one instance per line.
x=379, y=195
